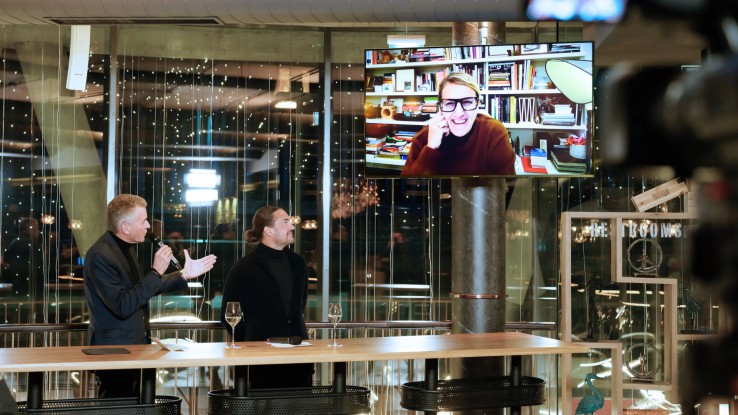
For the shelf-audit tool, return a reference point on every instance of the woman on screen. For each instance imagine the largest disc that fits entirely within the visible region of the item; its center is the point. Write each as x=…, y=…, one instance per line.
x=459, y=140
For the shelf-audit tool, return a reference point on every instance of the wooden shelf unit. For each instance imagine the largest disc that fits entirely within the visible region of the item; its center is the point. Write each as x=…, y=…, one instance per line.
x=669, y=331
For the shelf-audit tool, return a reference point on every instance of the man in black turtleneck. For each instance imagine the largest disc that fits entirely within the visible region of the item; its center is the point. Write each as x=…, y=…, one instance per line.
x=271, y=285
x=118, y=291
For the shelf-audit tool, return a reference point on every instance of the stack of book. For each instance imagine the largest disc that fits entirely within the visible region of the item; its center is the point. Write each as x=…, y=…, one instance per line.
x=500, y=75
x=428, y=54
x=394, y=150
x=537, y=157
x=565, y=48
x=393, y=146
x=402, y=135
x=562, y=115
x=429, y=107
x=565, y=163
x=373, y=145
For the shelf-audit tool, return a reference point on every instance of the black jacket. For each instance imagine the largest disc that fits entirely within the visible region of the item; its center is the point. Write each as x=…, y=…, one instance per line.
x=118, y=297
x=250, y=283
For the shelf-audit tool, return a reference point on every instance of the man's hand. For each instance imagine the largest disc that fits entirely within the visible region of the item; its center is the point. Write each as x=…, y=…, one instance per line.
x=193, y=268
x=162, y=258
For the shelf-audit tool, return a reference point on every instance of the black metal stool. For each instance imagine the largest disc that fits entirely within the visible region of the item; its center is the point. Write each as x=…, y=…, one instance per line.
x=317, y=400
x=162, y=405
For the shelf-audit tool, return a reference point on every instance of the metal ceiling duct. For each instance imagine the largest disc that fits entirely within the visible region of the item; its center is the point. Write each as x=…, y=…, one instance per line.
x=106, y=12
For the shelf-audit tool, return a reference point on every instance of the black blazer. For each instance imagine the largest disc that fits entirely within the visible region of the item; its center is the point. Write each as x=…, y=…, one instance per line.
x=118, y=297
x=250, y=283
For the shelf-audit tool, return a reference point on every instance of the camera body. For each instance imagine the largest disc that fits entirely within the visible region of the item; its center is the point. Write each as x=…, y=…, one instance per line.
x=687, y=119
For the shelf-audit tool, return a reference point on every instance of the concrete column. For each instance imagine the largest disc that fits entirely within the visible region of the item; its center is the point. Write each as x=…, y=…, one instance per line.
x=478, y=258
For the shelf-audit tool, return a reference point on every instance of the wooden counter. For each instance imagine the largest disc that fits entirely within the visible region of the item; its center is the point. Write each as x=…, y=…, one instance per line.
x=39, y=360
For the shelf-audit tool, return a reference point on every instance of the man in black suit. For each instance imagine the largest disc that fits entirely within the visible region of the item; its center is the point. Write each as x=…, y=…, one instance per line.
x=271, y=285
x=118, y=291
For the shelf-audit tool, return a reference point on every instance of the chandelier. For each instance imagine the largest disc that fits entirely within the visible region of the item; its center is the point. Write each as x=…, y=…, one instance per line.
x=352, y=198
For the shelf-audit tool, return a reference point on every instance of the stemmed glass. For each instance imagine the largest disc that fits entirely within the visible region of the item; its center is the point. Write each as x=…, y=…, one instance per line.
x=334, y=316
x=233, y=315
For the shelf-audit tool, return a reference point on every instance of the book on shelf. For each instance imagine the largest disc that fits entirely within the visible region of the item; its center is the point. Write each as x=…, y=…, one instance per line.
x=530, y=49
x=503, y=50
x=402, y=135
x=372, y=81
x=465, y=52
x=537, y=157
x=428, y=55
x=405, y=80
x=500, y=76
x=563, y=161
x=569, y=169
x=502, y=108
x=440, y=76
x=437, y=54
x=475, y=71
x=393, y=147
x=567, y=120
x=566, y=48
x=371, y=57
x=419, y=57
x=430, y=105
x=528, y=168
x=513, y=110
x=388, y=84
x=394, y=150
x=562, y=115
x=411, y=107
x=374, y=143
x=425, y=82
x=524, y=75
x=406, y=150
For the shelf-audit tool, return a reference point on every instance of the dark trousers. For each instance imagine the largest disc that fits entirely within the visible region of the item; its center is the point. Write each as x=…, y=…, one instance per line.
x=121, y=383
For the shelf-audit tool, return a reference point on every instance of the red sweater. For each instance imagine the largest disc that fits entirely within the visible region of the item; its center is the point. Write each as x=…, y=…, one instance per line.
x=486, y=150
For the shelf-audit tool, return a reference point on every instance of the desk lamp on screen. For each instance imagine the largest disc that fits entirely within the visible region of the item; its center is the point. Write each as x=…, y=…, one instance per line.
x=573, y=78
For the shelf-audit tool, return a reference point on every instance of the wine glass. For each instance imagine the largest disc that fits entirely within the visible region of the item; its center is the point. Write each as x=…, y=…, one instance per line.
x=334, y=316
x=233, y=316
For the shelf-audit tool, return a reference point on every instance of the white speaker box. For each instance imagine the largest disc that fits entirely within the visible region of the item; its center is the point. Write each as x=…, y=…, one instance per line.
x=79, y=55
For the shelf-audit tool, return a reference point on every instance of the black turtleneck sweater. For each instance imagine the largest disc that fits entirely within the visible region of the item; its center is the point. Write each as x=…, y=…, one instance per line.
x=278, y=264
x=271, y=286
x=130, y=257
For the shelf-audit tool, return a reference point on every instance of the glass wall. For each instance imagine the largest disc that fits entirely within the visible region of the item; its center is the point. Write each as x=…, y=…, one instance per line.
x=210, y=123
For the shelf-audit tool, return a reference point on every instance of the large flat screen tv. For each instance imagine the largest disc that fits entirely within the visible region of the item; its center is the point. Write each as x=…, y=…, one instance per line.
x=506, y=110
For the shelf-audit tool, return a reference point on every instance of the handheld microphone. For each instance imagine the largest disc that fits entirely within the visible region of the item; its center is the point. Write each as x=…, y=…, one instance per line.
x=154, y=238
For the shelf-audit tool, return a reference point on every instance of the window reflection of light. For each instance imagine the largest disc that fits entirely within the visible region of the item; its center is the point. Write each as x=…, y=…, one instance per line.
x=202, y=178
x=201, y=196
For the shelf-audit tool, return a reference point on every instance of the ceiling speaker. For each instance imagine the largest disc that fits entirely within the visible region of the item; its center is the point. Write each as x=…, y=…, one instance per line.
x=79, y=55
